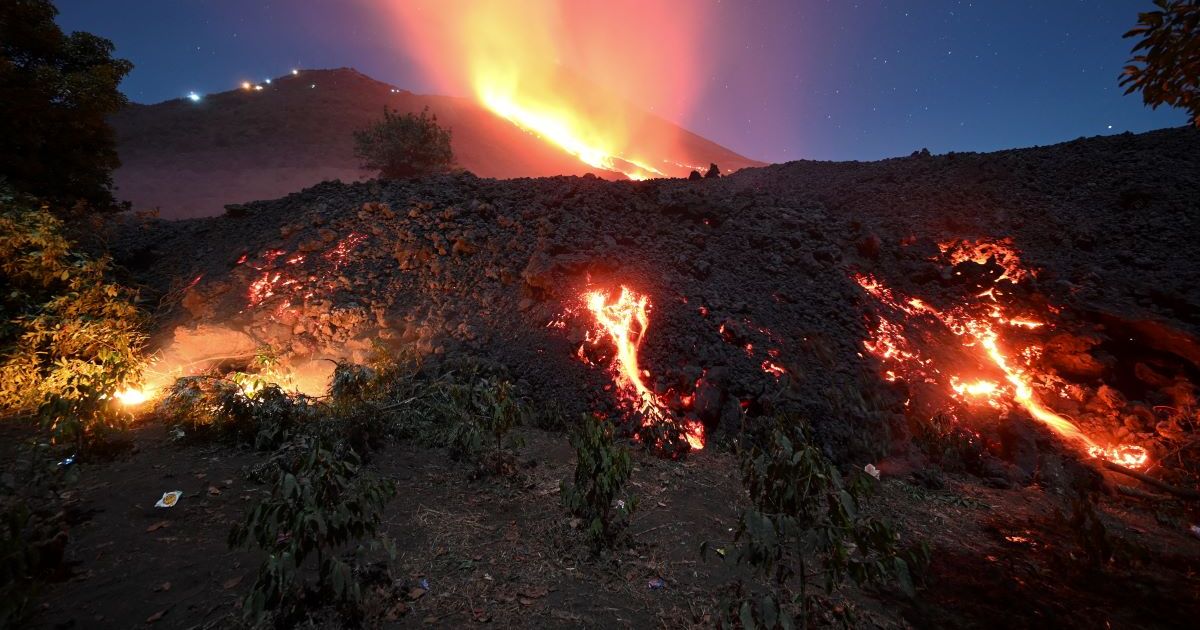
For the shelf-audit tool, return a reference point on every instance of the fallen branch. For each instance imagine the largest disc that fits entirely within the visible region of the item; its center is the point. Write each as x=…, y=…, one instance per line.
x=1183, y=493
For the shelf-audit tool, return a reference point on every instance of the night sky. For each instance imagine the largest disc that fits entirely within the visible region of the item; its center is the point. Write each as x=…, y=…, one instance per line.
x=781, y=79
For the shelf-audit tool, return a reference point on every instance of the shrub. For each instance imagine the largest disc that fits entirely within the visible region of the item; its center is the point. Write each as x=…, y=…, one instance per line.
x=1165, y=66
x=320, y=504
x=484, y=409
x=58, y=91
x=70, y=339
x=803, y=527
x=948, y=444
x=248, y=412
x=33, y=531
x=402, y=146
x=601, y=471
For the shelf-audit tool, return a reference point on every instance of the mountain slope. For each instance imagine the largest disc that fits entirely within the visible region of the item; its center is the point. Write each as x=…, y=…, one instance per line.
x=190, y=159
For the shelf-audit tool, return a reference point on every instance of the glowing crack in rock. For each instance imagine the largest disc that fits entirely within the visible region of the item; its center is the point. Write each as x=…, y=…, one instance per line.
x=978, y=329
x=625, y=321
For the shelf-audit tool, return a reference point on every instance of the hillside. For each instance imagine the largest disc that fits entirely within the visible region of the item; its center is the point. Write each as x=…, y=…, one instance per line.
x=190, y=159
x=847, y=297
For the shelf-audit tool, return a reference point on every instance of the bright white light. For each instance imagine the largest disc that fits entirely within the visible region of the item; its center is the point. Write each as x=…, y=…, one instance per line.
x=268, y=82
x=193, y=97
x=312, y=86
x=295, y=71
x=258, y=87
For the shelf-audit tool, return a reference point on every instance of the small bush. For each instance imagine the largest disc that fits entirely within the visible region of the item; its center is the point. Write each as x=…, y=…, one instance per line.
x=69, y=338
x=601, y=471
x=403, y=146
x=947, y=443
x=482, y=412
x=320, y=505
x=803, y=528
x=33, y=531
x=264, y=416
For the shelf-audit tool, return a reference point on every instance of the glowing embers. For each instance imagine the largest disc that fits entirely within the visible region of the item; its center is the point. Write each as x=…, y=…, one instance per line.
x=281, y=275
x=981, y=251
x=979, y=353
x=624, y=321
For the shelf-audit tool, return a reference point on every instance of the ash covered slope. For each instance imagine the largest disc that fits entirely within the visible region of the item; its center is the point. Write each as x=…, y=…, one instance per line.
x=736, y=267
x=190, y=159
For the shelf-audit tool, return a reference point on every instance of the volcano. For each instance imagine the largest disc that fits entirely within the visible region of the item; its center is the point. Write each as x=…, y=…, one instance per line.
x=984, y=332
x=190, y=159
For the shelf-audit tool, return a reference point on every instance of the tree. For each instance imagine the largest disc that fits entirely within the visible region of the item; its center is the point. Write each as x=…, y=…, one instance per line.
x=57, y=92
x=1169, y=57
x=402, y=146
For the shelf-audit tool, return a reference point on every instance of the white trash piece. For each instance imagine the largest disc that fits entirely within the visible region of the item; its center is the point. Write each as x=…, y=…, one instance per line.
x=169, y=499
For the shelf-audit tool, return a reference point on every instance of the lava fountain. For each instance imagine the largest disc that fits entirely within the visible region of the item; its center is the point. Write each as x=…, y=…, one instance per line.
x=624, y=321
x=540, y=65
x=979, y=350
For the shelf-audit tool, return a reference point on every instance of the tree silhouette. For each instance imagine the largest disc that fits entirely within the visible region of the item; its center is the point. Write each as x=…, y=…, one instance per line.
x=56, y=91
x=1165, y=65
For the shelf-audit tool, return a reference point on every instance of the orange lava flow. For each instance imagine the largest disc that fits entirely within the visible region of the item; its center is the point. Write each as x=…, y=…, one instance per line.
x=625, y=321
x=555, y=70
x=979, y=328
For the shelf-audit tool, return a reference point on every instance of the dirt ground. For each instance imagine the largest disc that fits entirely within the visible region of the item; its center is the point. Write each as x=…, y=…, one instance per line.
x=501, y=551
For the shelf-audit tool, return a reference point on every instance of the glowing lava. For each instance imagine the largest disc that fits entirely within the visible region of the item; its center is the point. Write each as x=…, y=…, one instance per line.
x=555, y=70
x=625, y=321
x=978, y=326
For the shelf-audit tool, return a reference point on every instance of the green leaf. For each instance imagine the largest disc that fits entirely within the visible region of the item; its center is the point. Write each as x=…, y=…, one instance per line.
x=746, y=616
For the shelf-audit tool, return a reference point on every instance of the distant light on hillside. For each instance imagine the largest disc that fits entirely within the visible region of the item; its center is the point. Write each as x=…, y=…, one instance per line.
x=295, y=72
x=258, y=87
x=246, y=85
x=268, y=82
x=193, y=97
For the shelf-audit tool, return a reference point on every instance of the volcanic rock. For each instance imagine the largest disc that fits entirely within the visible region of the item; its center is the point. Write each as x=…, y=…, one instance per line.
x=769, y=252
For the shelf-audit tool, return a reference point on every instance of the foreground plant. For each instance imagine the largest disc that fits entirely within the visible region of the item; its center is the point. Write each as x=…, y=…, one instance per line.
x=1165, y=66
x=257, y=413
x=70, y=339
x=33, y=530
x=805, y=533
x=322, y=505
x=601, y=471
